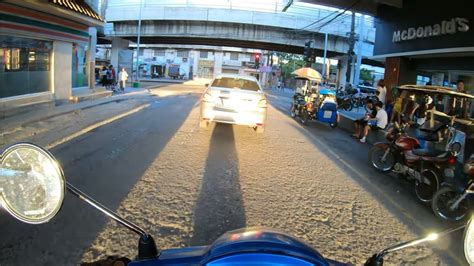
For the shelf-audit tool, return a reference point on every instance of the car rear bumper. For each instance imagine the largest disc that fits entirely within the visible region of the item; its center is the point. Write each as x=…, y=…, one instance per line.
x=213, y=113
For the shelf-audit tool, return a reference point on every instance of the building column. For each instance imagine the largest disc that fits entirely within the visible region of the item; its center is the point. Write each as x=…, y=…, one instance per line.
x=62, y=69
x=218, y=58
x=398, y=71
x=118, y=45
x=91, y=56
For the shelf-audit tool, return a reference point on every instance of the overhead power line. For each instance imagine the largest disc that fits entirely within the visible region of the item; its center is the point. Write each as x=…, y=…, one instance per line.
x=355, y=3
x=331, y=14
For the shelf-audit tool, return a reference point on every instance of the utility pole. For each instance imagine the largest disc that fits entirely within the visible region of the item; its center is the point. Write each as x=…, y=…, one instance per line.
x=325, y=52
x=359, y=49
x=138, y=38
x=351, y=49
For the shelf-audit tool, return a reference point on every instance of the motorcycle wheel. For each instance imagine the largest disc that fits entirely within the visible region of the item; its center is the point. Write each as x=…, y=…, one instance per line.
x=425, y=192
x=375, y=157
x=293, y=114
x=304, y=118
x=441, y=202
x=348, y=106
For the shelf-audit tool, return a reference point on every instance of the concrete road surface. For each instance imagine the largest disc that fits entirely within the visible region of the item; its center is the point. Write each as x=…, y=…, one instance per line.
x=187, y=186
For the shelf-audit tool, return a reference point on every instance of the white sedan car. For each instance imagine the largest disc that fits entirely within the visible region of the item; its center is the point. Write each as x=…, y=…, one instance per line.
x=234, y=99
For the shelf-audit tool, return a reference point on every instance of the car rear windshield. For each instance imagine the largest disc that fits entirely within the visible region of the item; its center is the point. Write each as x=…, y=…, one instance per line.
x=236, y=83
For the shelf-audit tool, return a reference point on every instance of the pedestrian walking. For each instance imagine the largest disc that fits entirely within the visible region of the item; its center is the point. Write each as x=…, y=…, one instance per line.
x=123, y=77
x=103, y=76
x=111, y=77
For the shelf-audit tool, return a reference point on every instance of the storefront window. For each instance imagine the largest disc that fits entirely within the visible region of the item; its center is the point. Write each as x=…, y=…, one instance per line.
x=422, y=80
x=24, y=66
x=12, y=56
x=79, y=66
x=203, y=54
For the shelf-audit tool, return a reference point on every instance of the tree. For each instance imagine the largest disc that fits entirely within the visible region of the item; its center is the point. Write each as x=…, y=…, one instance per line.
x=289, y=63
x=366, y=75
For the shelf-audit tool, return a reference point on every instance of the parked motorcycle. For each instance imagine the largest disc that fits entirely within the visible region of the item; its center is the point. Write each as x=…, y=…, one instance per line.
x=453, y=201
x=403, y=155
x=33, y=187
x=344, y=102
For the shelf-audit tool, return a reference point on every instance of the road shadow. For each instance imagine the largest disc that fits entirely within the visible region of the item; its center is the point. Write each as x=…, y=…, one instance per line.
x=105, y=163
x=219, y=207
x=396, y=195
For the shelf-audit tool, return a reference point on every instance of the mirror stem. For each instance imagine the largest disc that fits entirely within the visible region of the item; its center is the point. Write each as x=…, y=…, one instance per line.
x=81, y=195
x=377, y=259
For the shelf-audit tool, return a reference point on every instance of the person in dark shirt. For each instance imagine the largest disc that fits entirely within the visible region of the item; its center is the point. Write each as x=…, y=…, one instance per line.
x=360, y=123
x=459, y=107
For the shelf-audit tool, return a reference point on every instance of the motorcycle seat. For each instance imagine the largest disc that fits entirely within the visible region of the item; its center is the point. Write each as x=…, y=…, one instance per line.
x=429, y=137
x=428, y=152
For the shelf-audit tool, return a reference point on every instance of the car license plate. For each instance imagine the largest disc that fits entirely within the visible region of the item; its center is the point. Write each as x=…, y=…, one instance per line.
x=327, y=114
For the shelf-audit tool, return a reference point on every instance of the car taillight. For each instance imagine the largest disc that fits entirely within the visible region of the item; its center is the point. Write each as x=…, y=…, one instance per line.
x=262, y=103
x=207, y=98
x=452, y=160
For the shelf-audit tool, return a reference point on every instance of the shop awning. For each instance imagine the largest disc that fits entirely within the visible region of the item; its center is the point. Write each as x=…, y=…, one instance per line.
x=77, y=6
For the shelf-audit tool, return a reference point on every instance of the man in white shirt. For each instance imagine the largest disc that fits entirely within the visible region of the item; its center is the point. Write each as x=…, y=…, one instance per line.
x=382, y=91
x=379, y=122
x=123, y=77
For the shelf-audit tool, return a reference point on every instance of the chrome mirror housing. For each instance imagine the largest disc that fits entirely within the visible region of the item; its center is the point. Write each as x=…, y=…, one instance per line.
x=32, y=184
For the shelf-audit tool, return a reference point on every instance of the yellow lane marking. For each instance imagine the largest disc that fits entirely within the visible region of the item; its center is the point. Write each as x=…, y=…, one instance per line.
x=94, y=126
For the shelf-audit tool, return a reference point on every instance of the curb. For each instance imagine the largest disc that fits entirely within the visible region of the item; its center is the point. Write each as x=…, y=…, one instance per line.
x=170, y=82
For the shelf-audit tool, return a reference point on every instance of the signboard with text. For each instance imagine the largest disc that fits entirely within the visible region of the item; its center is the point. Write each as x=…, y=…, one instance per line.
x=424, y=25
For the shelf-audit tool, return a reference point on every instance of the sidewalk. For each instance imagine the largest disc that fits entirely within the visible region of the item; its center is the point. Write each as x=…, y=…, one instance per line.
x=43, y=113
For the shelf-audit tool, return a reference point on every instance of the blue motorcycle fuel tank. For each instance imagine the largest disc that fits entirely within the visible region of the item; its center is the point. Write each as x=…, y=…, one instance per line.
x=249, y=246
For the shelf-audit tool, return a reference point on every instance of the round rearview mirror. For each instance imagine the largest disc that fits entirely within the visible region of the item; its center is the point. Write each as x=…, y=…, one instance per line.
x=469, y=241
x=456, y=147
x=32, y=184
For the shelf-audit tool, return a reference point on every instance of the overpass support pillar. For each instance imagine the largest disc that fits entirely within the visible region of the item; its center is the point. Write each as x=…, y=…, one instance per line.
x=118, y=44
x=218, y=57
x=195, y=65
x=342, y=65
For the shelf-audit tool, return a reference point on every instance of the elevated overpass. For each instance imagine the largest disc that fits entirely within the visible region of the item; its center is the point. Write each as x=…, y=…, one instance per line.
x=264, y=26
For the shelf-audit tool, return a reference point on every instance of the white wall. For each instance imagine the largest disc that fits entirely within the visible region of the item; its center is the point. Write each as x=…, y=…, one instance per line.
x=62, y=67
